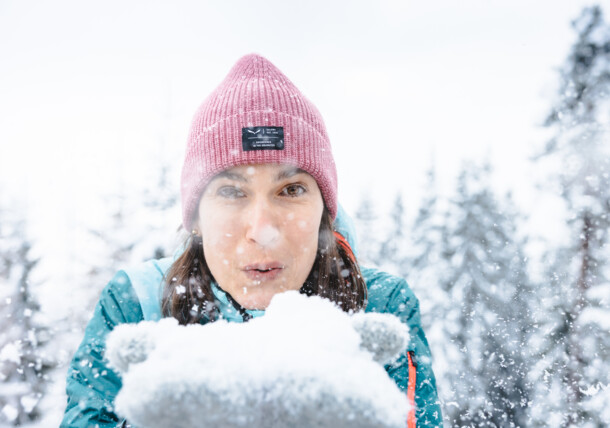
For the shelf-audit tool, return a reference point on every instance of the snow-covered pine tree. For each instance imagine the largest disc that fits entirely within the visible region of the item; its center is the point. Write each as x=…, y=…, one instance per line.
x=577, y=346
x=110, y=244
x=426, y=230
x=551, y=368
x=486, y=316
x=423, y=255
x=422, y=267
x=392, y=250
x=24, y=364
x=141, y=224
x=162, y=212
x=369, y=239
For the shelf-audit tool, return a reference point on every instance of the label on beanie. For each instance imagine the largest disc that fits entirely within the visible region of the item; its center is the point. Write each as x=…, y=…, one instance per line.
x=262, y=138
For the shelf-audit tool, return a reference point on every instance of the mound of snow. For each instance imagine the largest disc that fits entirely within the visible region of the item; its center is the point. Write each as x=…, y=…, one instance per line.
x=304, y=363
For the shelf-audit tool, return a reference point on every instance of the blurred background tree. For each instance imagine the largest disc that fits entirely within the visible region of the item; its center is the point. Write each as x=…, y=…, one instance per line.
x=24, y=358
x=577, y=345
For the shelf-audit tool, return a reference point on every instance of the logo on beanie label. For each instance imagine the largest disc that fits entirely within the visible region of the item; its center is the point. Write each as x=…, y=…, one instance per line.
x=262, y=138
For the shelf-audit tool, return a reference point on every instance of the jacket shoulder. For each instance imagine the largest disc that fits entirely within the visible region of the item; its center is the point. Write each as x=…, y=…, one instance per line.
x=147, y=282
x=118, y=302
x=387, y=292
x=391, y=294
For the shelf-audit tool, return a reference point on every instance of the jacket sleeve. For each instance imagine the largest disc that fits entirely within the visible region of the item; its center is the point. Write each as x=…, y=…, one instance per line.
x=403, y=303
x=91, y=385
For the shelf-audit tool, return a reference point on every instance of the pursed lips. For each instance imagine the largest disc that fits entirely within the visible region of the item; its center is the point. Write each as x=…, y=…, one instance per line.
x=263, y=271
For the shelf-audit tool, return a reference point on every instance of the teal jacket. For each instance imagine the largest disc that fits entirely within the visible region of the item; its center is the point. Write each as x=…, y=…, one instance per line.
x=133, y=295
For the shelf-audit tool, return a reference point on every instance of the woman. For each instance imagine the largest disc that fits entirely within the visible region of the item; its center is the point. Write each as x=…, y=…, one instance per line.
x=259, y=193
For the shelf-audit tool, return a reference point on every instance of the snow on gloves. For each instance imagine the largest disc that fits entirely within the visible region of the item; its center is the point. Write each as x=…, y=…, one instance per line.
x=305, y=363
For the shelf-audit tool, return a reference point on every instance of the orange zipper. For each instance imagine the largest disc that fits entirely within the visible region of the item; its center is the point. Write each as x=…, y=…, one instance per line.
x=411, y=392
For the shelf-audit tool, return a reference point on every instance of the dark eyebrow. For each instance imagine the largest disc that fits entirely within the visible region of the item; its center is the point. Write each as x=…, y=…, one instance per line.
x=230, y=176
x=288, y=172
x=282, y=175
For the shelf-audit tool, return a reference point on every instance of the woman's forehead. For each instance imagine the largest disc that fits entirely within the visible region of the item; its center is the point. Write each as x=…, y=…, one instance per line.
x=276, y=171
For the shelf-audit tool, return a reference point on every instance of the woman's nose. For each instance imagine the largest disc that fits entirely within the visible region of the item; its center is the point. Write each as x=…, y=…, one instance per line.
x=262, y=225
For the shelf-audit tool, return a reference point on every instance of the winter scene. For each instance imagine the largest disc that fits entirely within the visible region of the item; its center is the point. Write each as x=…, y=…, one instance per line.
x=305, y=214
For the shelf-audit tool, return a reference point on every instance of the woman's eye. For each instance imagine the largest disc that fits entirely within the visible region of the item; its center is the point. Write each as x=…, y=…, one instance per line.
x=230, y=192
x=293, y=190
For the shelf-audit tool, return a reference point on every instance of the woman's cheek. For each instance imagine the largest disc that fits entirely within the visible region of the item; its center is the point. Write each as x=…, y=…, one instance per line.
x=214, y=238
x=306, y=235
x=225, y=243
x=219, y=228
x=302, y=230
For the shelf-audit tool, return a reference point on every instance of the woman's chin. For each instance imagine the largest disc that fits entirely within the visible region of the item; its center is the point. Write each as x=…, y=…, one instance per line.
x=254, y=302
x=257, y=297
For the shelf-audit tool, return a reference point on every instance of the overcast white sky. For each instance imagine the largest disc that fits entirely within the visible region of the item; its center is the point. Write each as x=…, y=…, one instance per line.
x=90, y=91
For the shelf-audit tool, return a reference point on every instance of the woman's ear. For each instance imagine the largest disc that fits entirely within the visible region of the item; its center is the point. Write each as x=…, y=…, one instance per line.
x=195, y=227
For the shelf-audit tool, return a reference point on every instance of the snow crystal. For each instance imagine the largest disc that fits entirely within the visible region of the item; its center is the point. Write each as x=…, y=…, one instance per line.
x=11, y=353
x=267, y=235
x=28, y=402
x=10, y=412
x=597, y=316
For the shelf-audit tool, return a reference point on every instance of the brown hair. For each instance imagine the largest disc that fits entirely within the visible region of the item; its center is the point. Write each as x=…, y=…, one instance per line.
x=335, y=275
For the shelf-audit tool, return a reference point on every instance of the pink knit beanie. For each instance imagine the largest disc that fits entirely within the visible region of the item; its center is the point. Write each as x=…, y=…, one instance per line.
x=256, y=115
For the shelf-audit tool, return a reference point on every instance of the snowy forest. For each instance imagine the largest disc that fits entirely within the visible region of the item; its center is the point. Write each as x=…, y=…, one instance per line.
x=519, y=332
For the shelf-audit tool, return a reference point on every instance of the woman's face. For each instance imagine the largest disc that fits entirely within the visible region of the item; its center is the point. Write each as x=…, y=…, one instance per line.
x=259, y=225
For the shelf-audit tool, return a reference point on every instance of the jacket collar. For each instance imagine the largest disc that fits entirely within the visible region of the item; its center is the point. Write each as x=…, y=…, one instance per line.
x=227, y=310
